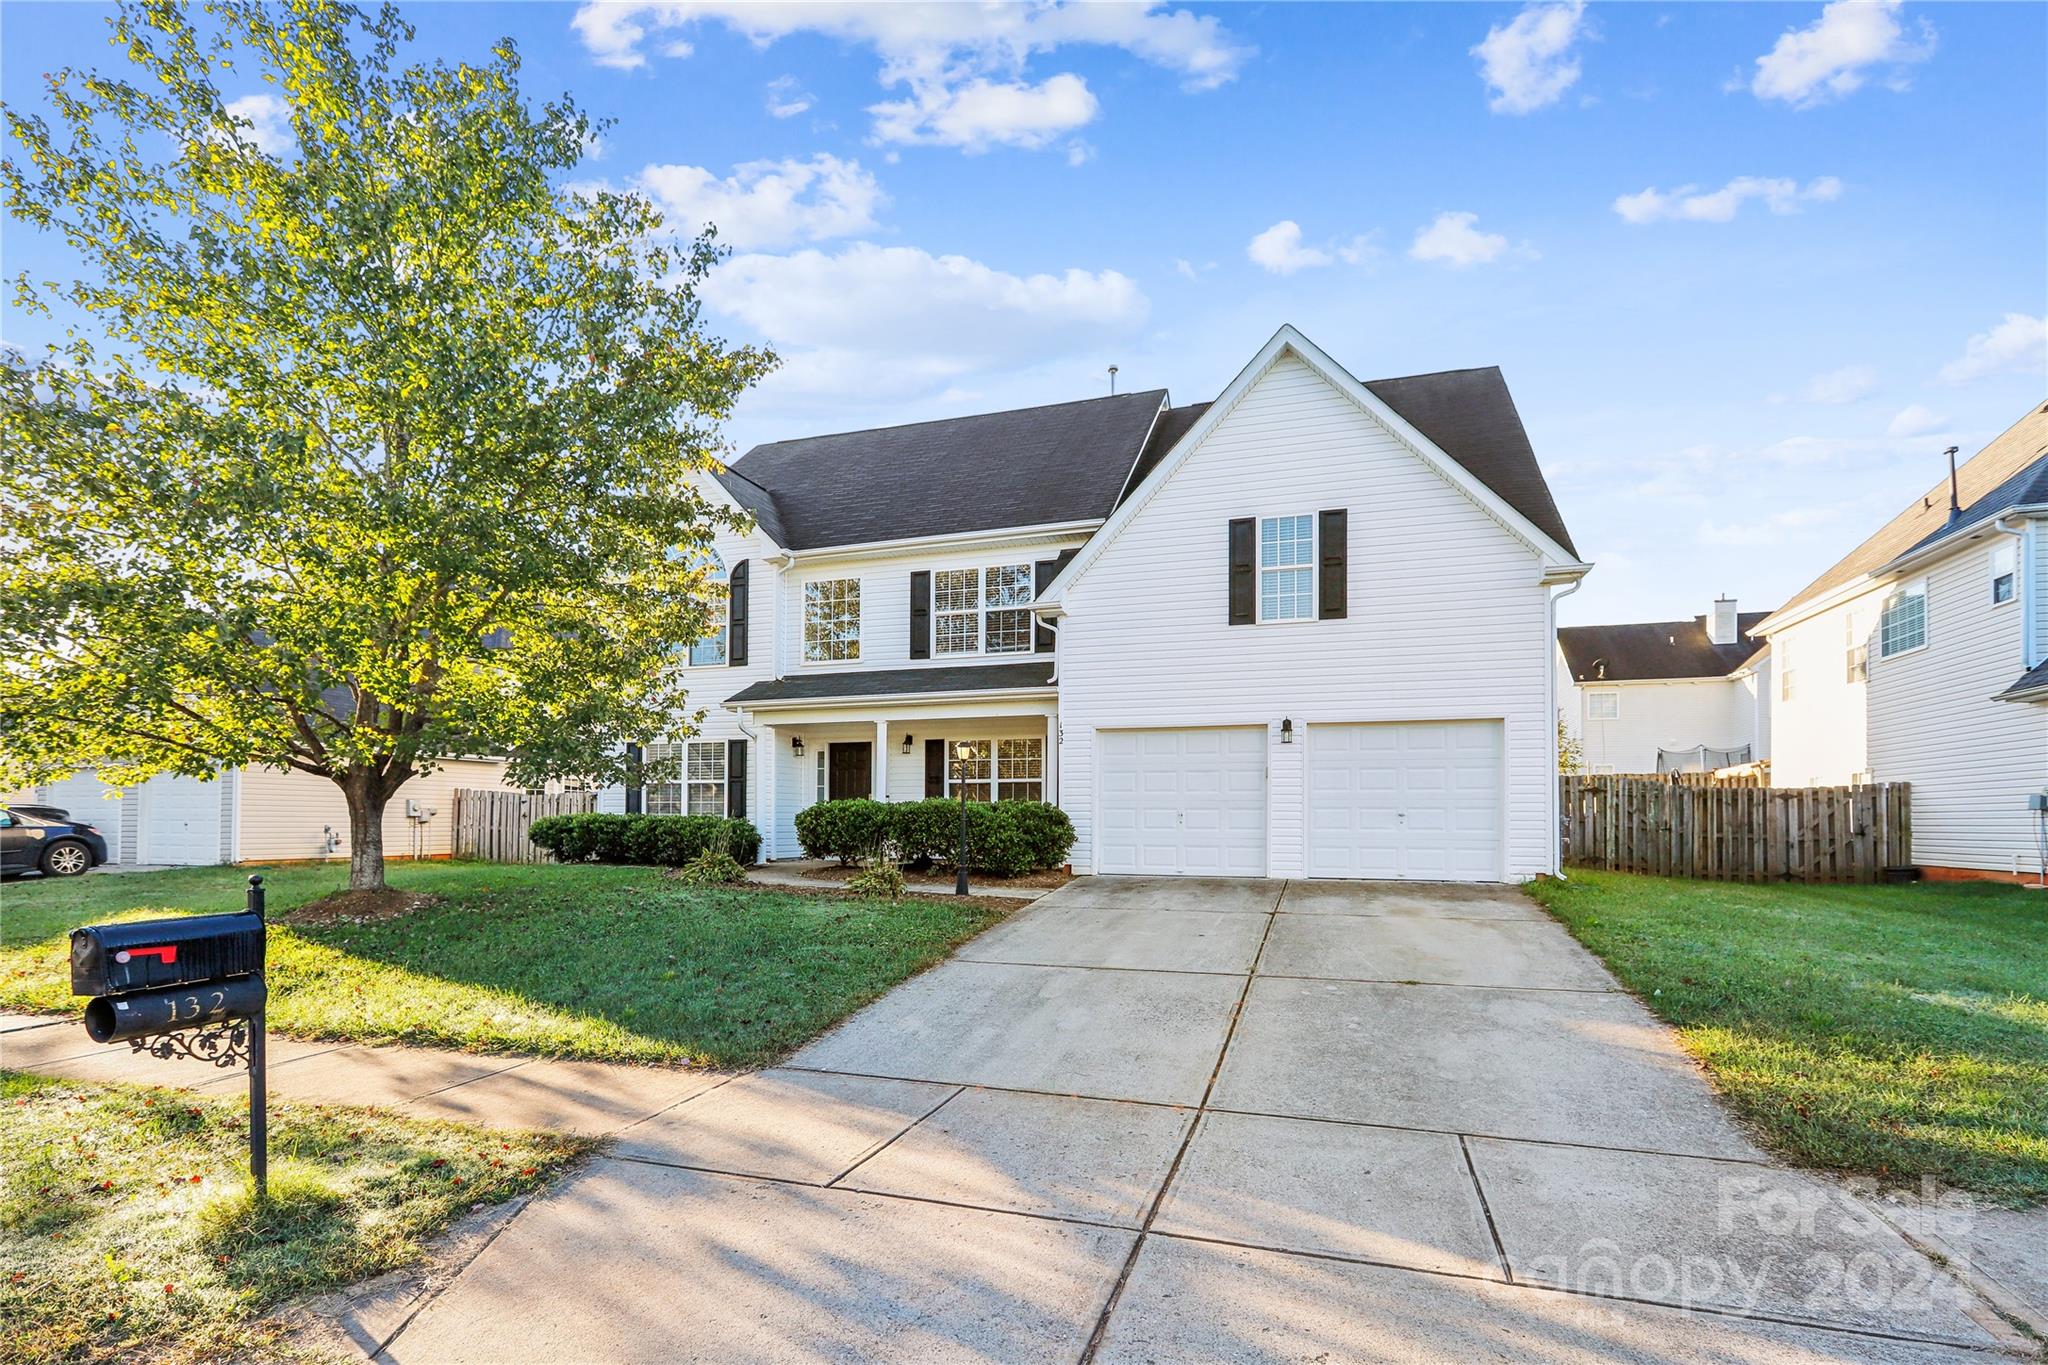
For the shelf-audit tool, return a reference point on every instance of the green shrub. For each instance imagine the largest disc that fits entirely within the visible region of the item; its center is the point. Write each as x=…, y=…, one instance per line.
x=882, y=879
x=712, y=867
x=656, y=840
x=852, y=831
x=1007, y=839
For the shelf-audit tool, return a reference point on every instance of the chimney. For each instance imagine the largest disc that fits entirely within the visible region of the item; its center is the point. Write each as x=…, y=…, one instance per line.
x=1721, y=622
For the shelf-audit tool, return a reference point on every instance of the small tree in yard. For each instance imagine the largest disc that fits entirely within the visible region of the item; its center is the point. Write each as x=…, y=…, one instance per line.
x=384, y=452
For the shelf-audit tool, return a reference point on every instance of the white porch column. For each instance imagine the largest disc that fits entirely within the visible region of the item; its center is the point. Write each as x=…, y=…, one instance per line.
x=879, y=769
x=767, y=758
x=1051, y=789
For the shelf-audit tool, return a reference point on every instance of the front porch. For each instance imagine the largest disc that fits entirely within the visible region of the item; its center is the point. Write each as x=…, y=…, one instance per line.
x=899, y=753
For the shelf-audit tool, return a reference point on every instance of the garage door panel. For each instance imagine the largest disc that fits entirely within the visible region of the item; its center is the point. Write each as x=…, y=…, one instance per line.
x=1413, y=800
x=1184, y=802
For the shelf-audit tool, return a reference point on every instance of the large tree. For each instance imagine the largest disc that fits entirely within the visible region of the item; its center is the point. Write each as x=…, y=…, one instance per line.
x=373, y=439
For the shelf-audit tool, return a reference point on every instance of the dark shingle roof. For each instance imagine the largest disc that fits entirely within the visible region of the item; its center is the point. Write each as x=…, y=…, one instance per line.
x=1650, y=650
x=894, y=682
x=2026, y=487
x=2031, y=685
x=1073, y=461
x=2016, y=448
x=1027, y=467
x=1471, y=417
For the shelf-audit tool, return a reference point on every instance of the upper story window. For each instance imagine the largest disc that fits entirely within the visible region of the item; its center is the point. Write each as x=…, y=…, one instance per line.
x=1603, y=705
x=1857, y=665
x=1788, y=677
x=2004, y=572
x=1903, y=625
x=1287, y=579
x=710, y=649
x=983, y=611
x=832, y=621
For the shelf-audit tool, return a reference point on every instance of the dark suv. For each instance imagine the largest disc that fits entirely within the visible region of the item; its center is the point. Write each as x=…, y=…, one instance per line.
x=46, y=839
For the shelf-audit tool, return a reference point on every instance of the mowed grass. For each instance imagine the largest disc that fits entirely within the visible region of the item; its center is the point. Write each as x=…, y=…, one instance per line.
x=607, y=963
x=1891, y=1031
x=127, y=1226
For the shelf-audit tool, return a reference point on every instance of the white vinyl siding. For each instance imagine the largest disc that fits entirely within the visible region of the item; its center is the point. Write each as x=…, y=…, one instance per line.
x=1677, y=713
x=1465, y=636
x=286, y=815
x=1972, y=761
x=1818, y=738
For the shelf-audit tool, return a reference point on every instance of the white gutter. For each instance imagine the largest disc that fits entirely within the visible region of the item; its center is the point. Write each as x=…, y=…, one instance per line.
x=1052, y=530
x=1956, y=538
x=899, y=699
x=1550, y=654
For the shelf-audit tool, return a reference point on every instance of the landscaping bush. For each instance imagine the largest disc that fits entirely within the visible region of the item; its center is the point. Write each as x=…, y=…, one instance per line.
x=656, y=840
x=880, y=878
x=712, y=867
x=852, y=830
x=1007, y=839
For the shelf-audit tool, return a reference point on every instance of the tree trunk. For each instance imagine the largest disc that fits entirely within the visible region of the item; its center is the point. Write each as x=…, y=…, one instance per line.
x=366, y=800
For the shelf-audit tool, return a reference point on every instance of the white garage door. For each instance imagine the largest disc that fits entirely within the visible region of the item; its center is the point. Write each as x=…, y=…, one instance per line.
x=1411, y=801
x=180, y=821
x=85, y=796
x=1183, y=802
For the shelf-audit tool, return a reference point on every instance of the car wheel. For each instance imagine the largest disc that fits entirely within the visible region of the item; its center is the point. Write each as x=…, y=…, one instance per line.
x=66, y=858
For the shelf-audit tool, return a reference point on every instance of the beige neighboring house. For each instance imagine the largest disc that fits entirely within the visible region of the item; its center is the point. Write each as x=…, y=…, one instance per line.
x=1667, y=696
x=1910, y=659
x=259, y=815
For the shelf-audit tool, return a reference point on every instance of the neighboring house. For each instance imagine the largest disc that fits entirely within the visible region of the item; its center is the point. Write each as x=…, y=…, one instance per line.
x=1302, y=630
x=254, y=815
x=1917, y=659
x=1667, y=696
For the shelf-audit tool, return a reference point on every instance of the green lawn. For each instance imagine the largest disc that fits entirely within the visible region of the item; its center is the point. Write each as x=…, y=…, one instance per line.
x=127, y=1227
x=1895, y=1031
x=615, y=963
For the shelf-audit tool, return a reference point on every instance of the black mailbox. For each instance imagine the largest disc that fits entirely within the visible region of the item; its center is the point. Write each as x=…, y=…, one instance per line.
x=119, y=959
x=143, y=1014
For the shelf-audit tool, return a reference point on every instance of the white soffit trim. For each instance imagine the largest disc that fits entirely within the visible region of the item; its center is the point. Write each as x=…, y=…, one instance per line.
x=1559, y=563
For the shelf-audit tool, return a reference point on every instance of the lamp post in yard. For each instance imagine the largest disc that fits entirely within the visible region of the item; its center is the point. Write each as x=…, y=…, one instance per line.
x=963, y=755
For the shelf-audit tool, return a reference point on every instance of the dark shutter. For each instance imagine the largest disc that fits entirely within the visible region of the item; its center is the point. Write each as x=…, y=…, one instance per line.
x=935, y=767
x=634, y=793
x=1244, y=544
x=736, y=778
x=1333, y=539
x=1042, y=575
x=736, y=615
x=921, y=614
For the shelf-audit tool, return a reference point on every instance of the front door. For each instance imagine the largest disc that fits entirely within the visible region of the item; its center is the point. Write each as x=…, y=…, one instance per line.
x=849, y=770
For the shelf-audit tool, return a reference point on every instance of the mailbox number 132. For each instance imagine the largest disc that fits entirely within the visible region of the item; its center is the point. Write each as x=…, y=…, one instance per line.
x=192, y=1007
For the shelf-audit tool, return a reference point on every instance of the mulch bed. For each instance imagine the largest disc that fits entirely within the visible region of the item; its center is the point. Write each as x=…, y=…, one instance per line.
x=829, y=893
x=938, y=876
x=360, y=907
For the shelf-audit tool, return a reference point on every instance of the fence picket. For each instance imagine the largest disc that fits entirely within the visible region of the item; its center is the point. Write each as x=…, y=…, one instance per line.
x=491, y=824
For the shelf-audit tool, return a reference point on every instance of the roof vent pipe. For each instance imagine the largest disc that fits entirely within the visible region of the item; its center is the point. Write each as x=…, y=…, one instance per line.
x=1112, y=381
x=1955, y=505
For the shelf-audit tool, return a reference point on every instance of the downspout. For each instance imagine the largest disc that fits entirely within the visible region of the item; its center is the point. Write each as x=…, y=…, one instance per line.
x=1550, y=722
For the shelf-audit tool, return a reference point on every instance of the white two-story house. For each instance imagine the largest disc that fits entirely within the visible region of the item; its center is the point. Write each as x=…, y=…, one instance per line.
x=1919, y=658
x=1667, y=696
x=1303, y=630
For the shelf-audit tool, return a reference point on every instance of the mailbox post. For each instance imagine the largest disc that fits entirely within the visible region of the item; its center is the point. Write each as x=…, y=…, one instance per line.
x=192, y=987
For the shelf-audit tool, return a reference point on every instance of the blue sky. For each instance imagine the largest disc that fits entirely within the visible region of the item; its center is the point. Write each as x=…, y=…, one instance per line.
x=1747, y=268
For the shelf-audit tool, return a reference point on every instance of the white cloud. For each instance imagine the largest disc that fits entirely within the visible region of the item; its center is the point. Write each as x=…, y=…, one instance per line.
x=2018, y=343
x=1452, y=239
x=1768, y=530
x=872, y=321
x=1689, y=203
x=1527, y=62
x=1279, y=249
x=1915, y=420
x=266, y=121
x=768, y=203
x=787, y=98
x=980, y=114
x=1829, y=58
x=962, y=65
x=1845, y=385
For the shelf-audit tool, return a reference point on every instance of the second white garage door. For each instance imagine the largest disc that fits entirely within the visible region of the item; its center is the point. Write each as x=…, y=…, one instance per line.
x=1183, y=802
x=1409, y=801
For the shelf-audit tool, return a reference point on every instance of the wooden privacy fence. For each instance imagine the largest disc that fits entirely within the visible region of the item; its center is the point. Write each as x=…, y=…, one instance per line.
x=1752, y=834
x=492, y=825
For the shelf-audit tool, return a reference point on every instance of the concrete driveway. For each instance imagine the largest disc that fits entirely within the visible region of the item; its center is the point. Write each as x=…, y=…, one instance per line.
x=1172, y=1120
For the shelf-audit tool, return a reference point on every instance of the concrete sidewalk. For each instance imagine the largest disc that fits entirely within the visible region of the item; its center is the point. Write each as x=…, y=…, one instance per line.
x=589, y=1098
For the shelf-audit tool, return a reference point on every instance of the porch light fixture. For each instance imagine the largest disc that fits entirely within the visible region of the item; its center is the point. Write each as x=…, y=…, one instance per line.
x=906, y=742
x=796, y=745
x=1287, y=732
